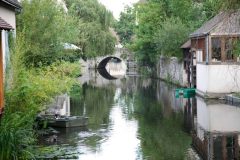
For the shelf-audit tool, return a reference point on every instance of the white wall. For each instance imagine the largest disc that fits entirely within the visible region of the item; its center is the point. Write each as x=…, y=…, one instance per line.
x=171, y=68
x=8, y=15
x=203, y=114
x=218, y=78
x=63, y=4
x=3, y=40
x=202, y=77
x=224, y=78
x=5, y=48
x=116, y=69
x=65, y=110
x=218, y=117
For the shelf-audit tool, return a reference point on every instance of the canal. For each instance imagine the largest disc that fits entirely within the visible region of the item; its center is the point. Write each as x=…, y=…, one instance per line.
x=137, y=118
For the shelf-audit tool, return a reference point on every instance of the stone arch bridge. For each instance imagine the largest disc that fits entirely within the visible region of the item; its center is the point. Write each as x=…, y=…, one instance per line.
x=102, y=64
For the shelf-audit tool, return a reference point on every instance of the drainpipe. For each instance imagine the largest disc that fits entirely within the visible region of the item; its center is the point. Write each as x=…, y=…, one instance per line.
x=207, y=48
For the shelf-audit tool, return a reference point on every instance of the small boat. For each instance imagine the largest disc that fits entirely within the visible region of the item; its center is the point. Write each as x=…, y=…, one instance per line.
x=65, y=122
x=186, y=92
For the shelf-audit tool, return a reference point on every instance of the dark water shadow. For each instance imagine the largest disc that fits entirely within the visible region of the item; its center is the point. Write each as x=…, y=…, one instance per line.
x=104, y=73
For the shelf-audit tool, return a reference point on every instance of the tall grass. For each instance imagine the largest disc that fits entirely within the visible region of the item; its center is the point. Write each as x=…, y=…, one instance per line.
x=16, y=134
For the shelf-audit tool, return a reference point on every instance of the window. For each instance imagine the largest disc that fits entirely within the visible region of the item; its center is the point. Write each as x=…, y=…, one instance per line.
x=194, y=59
x=216, y=49
x=229, y=49
x=199, y=55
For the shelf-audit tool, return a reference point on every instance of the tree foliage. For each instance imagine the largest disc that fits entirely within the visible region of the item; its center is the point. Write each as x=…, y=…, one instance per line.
x=164, y=25
x=45, y=26
x=94, y=22
x=125, y=26
x=29, y=91
x=173, y=33
x=149, y=19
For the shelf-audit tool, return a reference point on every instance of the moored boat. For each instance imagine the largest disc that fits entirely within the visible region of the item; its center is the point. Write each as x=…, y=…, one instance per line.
x=65, y=122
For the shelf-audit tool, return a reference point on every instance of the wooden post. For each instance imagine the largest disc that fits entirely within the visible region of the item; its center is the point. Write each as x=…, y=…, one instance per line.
x=223, y=50
x=236, y=147
x=1, y=76
x=235, y=57
x=210, y=49
x=224, y=147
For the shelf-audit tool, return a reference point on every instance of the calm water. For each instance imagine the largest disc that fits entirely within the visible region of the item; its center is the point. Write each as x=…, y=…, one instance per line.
x=140, y=119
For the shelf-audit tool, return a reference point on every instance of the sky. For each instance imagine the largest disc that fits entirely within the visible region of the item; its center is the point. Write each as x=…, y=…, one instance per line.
x=117, y=6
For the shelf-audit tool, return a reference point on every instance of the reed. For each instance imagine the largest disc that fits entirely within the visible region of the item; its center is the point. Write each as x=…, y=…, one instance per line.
x=16, y=134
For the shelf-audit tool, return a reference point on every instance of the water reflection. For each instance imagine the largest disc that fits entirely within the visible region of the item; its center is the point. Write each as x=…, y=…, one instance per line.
x=95, y=103
x=113, y=70
x=161, y=133
x=121, y=142
x=216, y=130
x=139, y=118
x=131, y=121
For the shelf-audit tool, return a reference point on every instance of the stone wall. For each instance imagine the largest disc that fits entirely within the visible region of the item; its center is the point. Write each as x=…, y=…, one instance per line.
x=171, y=69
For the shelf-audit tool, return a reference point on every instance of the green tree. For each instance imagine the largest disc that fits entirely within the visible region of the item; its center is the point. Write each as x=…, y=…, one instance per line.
x=125, y=26
x=170, y=37
x=29, y=91
x=94, y=23
x=149, y=19
x=45, y=26
x=163, y=25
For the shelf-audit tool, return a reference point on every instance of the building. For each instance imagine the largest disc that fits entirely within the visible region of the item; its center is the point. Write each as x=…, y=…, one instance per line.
x=215, y=46
x=215, y=137
x=8, y=10
x=189, y=64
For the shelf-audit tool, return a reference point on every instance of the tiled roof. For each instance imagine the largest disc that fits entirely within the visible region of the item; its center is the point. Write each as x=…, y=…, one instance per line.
x=13, y=3
x=5, y=25
x=186, y=44
x=225, y=23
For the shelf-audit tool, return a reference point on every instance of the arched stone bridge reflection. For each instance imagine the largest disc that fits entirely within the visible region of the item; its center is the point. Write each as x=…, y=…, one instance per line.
x=111, y=67
x=102, y=64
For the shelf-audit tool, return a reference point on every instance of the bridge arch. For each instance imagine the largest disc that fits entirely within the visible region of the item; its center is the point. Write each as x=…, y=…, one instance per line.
x=104, y=61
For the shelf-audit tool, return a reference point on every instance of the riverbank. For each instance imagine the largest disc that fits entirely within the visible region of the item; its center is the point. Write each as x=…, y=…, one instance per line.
x=29, y=93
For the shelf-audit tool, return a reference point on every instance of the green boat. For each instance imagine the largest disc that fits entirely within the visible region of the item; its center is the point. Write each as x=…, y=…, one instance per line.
x=185, y=92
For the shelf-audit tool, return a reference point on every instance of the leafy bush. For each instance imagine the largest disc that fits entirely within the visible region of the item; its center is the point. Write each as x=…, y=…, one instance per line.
x=125, y=26
x=28, y=91
x=36, y=87
x=94, y=21
x=33, y=90
x=170, y=37
x=45, y=26
x=16, y=134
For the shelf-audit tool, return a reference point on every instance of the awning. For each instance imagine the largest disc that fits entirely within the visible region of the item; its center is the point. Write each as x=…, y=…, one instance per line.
x=186, y=45
x=4, y=25
x=70, y=46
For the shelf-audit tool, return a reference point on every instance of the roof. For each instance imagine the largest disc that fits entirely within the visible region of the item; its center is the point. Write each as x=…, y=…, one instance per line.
x=225, y=23
x=13, y=3
x=70, y=46
x=186, y=44
x=5, y=25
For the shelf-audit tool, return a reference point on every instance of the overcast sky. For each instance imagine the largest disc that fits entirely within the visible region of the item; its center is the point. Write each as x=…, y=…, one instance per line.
x=117, y=6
